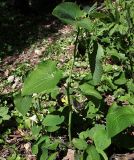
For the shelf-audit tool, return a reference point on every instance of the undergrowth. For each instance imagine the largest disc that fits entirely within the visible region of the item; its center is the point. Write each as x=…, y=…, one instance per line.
x=85, y=102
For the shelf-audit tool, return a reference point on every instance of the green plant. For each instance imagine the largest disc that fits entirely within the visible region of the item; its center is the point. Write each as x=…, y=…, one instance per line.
x=94, y=109
x=4, y=114
x=4, y=110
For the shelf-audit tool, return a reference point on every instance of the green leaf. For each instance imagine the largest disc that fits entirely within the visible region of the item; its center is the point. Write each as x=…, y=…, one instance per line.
x=94, y=130
x=102, y=153
x=114, y=29
x=92, y=153
x=98, y=133
x=55, y=92
x=85, y=134
x=53, y=156
x=44, y=155
x=68, y=12
x=118, y=55
x=78, y=156
x=43, y=79
x=27, y=123
x=98, y=65
x=119, y=119
x=6, y=117
x=85, y=23
x=101, y=139
x=3, y=111
x=4, y=114
x=121, y=80
x=23, y=103
x=35, y=147
x=95, y=61
x=79, y=143
x=36, y=130
x=90, y=9
x=53, y=120
x=1, y=141
x=131, y=99
x=90, y=91
x=130, y=86
x=123, y=29
x=52, y=128
x=92, y=111
x=51, y=145
x=126, y=98
x=0, y=120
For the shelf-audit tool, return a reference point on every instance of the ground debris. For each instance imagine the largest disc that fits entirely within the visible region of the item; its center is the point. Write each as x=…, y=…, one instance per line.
x=127, y=156
x=70, y=155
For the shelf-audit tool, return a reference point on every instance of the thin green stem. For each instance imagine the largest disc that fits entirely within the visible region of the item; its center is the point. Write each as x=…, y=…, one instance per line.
x=68, y=88
x=69, y=127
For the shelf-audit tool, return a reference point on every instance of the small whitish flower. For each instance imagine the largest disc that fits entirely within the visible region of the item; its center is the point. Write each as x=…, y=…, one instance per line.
x=10, y=79
x=33, y=118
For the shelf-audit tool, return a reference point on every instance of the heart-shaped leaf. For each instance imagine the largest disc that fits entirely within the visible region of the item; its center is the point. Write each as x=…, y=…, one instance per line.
x=43, y=79
x=68, y=12
x=71, y=13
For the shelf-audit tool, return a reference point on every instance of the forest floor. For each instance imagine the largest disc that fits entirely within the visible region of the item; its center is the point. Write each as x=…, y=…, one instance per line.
x=26, y=41
x=16, y=64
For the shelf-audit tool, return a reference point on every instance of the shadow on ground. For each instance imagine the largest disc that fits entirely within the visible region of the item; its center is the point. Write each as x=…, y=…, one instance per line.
x=19, y=31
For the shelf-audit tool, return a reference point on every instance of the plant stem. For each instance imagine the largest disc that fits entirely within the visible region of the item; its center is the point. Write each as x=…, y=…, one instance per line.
x=68, y=87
